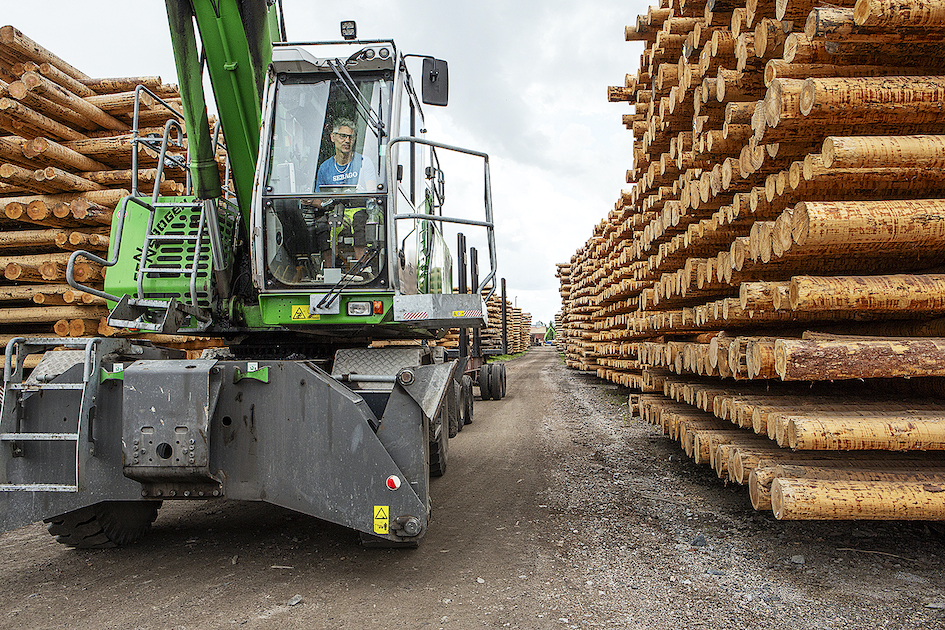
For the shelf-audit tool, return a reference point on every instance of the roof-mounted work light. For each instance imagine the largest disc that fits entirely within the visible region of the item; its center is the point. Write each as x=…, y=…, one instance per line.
x=349, y=30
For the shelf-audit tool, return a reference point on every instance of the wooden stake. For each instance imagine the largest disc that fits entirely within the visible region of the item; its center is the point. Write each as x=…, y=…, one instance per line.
x=46, y=125
x=920, y=431
x=919, y=222
x=46, y=150
x=884, y=151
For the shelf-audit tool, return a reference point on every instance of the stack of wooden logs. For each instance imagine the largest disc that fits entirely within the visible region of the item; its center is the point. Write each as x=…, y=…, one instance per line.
x=520, y=338
x=559, y=325
x=490, y=337
x=772, y=281
x=65, y=163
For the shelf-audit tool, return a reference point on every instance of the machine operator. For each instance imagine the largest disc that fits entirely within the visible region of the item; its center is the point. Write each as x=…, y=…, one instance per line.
x=350, y=169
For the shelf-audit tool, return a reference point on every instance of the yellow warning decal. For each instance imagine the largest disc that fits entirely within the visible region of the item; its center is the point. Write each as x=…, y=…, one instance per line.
x=459, y=313
x=381, y=519
x=301, y=312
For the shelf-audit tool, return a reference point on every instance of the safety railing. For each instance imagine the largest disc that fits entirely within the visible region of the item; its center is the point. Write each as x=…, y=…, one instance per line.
x=488, y=224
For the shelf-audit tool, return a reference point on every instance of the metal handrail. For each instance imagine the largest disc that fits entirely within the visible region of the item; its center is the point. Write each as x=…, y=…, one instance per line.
x=165, y=140
x=136, y=140
x=489, y=223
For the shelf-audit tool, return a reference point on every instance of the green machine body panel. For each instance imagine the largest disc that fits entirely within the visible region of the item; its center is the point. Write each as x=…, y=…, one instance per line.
x=177, y=225
x=294, y=309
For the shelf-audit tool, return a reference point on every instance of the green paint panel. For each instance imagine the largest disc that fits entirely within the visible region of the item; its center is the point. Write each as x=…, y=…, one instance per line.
x=261, y=375
x=293, y=310
x=235, y=76
x=181, y=220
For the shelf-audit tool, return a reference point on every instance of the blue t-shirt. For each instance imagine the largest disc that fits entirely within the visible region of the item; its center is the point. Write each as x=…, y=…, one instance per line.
x=330, y=174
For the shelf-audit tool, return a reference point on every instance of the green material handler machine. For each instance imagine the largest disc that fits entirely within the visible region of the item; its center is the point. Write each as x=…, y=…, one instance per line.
x=323, y=233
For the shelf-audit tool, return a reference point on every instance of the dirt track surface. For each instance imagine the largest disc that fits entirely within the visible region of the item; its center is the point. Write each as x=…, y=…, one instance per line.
x=557, y=511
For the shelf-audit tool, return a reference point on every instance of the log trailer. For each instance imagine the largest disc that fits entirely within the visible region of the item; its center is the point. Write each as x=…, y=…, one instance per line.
x=330, y=237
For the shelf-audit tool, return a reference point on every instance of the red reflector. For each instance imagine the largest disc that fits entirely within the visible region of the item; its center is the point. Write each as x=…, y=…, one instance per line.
x=378, y=308
x=393, y=482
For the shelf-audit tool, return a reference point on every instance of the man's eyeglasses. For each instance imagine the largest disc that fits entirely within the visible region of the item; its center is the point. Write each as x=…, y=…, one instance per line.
x=345, y=136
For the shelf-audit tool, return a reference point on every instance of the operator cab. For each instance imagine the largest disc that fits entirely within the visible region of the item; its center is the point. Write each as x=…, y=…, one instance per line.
x=322, y=193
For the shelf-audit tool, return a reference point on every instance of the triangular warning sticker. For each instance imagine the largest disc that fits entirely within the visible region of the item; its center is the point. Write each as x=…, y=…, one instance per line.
x=381, y=511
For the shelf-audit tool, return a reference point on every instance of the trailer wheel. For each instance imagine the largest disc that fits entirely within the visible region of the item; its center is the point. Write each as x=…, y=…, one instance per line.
x=104, y=525
x=460, y=404
x=439, y=445
x=484, y=381
x=468, y=399
x=504, y=380
x=495, y=381
x=454, y=403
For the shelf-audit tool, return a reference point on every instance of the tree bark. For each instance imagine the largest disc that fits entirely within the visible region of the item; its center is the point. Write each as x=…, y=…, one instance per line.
x=884, y=151
x=810, y=499
x=892, y=14
x=827, y=360
x=874, y=99
x=890, y=293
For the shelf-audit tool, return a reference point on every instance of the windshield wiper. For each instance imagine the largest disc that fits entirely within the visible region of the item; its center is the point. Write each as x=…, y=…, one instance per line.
x=349, y=275
x=352, y=89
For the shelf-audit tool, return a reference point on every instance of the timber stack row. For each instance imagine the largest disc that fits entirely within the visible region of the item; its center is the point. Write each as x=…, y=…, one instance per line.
x=65, y=164
x=772, y=283
x=518, y=324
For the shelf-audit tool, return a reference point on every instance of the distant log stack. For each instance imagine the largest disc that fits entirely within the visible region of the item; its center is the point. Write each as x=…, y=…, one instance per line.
x=772, y=281
x=490, y=336
x=65, y=160
x=563, y=320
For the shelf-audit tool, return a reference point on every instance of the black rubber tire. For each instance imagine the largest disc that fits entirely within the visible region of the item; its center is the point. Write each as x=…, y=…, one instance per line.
x=468, y=399
x=485, y=393
x=495, y=381
x=104, y=525
x=460, y=404
x=504, y=380
x=453, y=403
x=439, y=447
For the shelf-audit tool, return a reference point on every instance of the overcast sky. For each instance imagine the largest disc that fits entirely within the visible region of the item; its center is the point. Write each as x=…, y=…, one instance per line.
x=528, y=86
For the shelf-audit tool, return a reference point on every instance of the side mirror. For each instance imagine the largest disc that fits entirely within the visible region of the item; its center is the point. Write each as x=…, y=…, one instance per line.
x=435, y=82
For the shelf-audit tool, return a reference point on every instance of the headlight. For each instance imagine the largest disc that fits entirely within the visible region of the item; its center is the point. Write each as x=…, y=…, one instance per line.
x=359, y=309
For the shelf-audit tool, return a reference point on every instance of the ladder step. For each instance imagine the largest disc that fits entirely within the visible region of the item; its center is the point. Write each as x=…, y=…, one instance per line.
x=38, y=487
x=177, y=270
x=47, y=386
x=173, y=237
x=38, y=437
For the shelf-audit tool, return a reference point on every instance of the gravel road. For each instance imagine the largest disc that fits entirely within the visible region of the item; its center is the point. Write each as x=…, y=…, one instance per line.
x=558, y=510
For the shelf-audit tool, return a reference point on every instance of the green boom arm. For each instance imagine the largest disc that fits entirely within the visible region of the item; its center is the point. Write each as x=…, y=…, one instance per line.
x=237, y=38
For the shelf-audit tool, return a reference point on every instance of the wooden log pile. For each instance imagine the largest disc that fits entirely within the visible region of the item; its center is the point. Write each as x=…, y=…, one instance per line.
x=771, y=283
x=490, y=336
x=65, y=164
